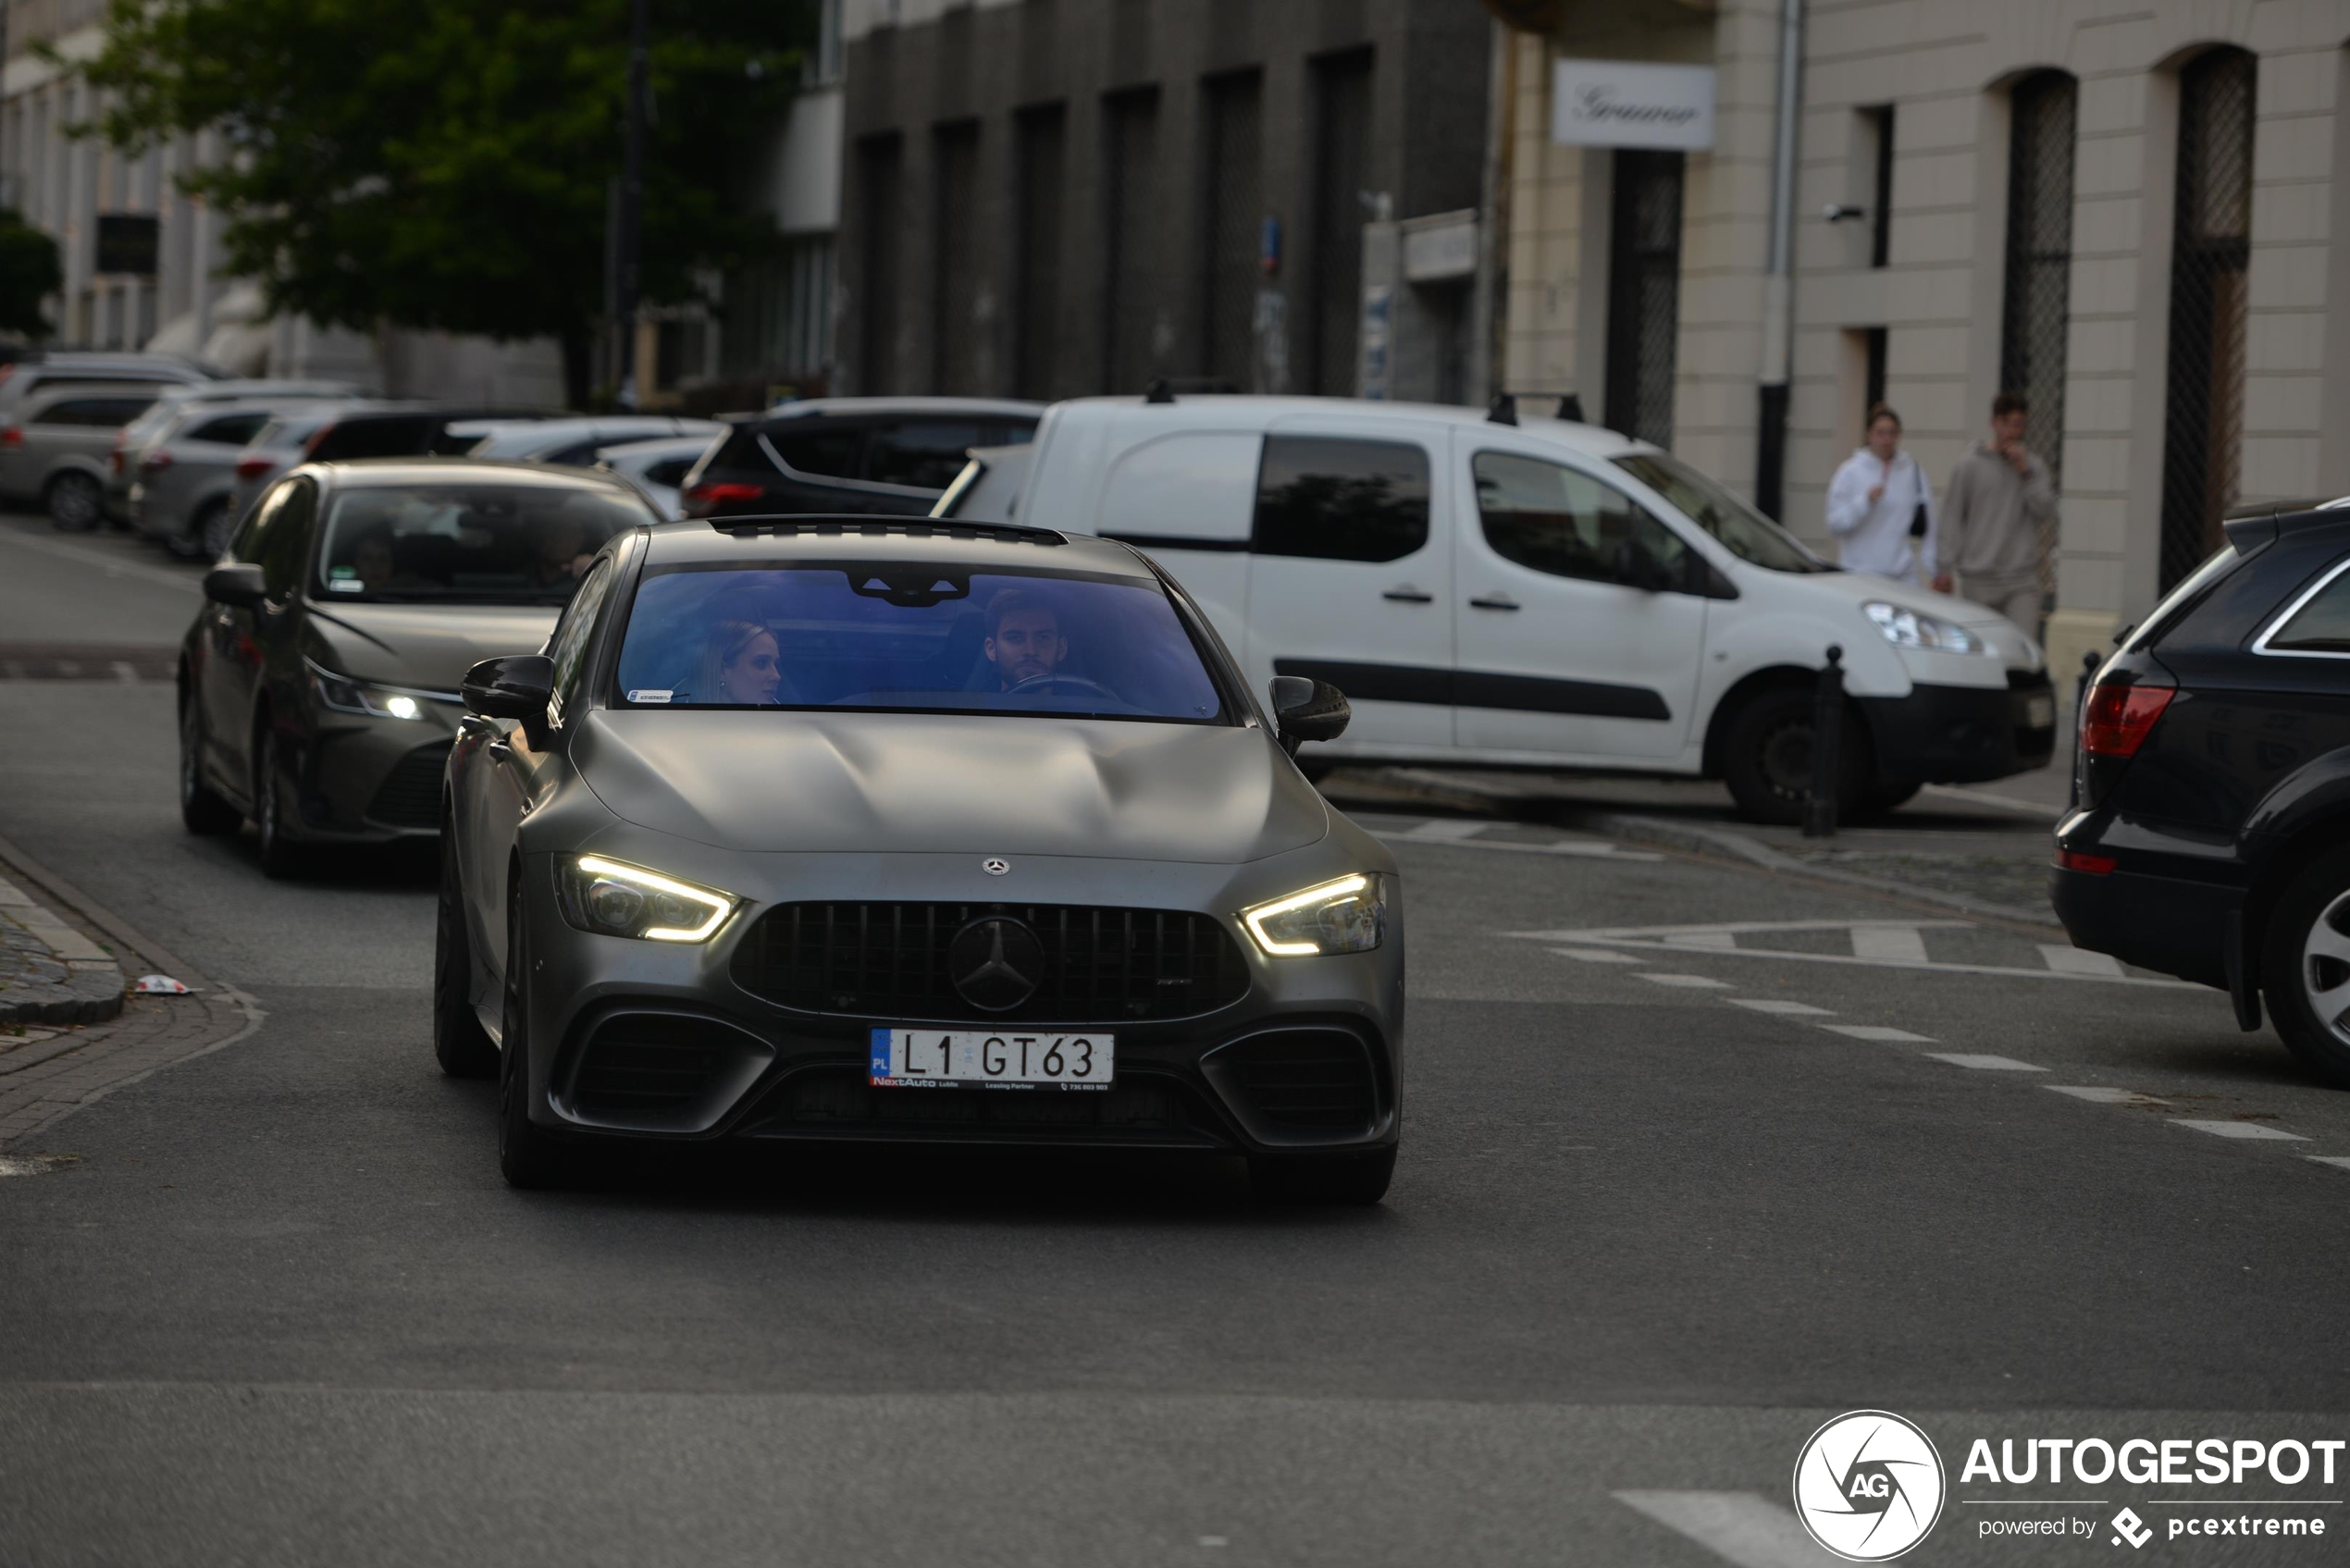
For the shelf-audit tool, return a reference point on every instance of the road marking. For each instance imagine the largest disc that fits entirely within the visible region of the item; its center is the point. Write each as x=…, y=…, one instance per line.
x=2341, y=1160
x=125, y=671
x=1878, y=1031
x=1595, y=955
x=2075, y=960
x=1740, y=1528
x=1983, y=1064
x=2241, y=1130
x=184, y=582
x=2098, y=1094
x=1656, y=939
x=1687, y=981
x=1718, y=941
x=1895, y=945
x=1445, y=830
x=1773, y=1005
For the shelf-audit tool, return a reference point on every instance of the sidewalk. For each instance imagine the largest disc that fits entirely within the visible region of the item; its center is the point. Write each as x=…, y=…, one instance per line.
x=50, y=973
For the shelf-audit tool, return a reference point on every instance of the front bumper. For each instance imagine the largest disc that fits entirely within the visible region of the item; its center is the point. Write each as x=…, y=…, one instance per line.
x=372, y=781
x=1963, y=735
x=645, y=1040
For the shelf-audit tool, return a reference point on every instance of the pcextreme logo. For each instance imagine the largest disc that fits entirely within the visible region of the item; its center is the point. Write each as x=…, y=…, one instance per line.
x=1869, y=1486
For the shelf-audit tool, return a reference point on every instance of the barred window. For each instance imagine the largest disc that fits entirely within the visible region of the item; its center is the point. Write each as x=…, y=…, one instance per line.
x=2039, y=259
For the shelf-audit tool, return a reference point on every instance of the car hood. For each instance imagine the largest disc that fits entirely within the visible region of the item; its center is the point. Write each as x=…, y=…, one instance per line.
x=427, y=647
x=933, y=783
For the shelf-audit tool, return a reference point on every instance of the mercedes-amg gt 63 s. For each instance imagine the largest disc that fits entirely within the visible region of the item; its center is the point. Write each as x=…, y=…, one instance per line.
x=825, y=828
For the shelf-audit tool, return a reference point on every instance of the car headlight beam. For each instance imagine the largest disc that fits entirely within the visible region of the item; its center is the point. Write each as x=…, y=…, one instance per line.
x=346, y=695
x=1346, y=915
x=608, y=899
x=1904, y=627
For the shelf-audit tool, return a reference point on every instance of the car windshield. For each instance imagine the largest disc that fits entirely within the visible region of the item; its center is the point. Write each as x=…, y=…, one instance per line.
x=512, y=543
x=912, y=635
x=1743, y=531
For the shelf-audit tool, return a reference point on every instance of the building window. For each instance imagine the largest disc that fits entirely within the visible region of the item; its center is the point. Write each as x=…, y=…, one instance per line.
x=879, y=192
x=2210, y=252
x=1873, y=387
x=2039, y=262
x=958, y=336
x=1042, y=140
x=1341, y=132
x=1129, y=302
x=1644, y=294
x=1234, y=208
x=779, y=317
x=1880, y=126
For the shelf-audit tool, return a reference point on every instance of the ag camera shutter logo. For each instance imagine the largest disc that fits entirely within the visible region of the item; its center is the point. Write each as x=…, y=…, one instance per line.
x=1869, y=1486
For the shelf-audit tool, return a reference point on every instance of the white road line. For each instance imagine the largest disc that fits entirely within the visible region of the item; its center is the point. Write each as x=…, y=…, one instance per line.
x=2341, y=1160
x=125, y=671
x=1714, y=941
x=2098, y=1094
x=1740, y=1527
x=1983, y=1064
x=185, y=582
x=1445, y=830
x=1596, y=850
x=2241, y=1130
x=1687, y=981
x=1773, y=1005
x=1898, y=945
x=2075, y=960
x=1741, y=927
x=1878, y=1031
x=1641, y=944
x=1595, y=955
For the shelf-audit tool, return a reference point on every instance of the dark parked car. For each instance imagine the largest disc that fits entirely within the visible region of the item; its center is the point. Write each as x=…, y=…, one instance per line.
x=2210, y=833
x=910, y=834
x=318, y=686
x=890, y=456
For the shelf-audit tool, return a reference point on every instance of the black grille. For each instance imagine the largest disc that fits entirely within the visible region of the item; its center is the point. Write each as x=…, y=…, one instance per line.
x=889, y=961
x=409, y=794
x=829, y=1097
x=1307, y=1078
x=640, y=1065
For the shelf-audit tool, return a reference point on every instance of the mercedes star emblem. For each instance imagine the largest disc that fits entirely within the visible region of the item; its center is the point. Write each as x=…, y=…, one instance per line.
x=995, y=865
x=996, y=963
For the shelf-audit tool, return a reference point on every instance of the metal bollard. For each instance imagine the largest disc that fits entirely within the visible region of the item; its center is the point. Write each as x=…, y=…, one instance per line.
x=1827, y=732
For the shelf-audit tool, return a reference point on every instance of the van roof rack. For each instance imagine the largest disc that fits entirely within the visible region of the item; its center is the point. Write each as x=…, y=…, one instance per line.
x=875, y=527
x=1504, y=409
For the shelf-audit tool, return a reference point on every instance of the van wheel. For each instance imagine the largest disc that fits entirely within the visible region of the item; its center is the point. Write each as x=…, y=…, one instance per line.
x=2304, y=968
x=1766, y=758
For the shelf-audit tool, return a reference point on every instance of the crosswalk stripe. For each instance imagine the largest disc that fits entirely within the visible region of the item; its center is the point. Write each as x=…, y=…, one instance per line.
x=1716, y=940
x=2074, y=960
x=2341, y=1160
x=1773, y=1005
x=1900, y=944
x=2241, y=1130
x=1740, y=1527
x=1446, y=830
x=1597, y=955
x=1983, y=1062
x=1878, y=1031
x=1687, y=981
x=2098, y=1094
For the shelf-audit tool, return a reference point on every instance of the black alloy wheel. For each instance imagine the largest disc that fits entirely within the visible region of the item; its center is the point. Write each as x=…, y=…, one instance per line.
x=463, y=1047
x=202, y=812
x=2304, y=966
x=1766, y=758
x=280, y=856
x=75, y=501
x=1344, y=1180
x=528, y=1156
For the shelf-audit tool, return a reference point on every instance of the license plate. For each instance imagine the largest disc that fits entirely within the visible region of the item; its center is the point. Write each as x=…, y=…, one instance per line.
x=948, y=1059
x=2039, y=712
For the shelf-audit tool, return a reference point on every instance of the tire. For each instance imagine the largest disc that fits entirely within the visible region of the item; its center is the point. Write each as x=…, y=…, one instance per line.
x=2304, y=966
x=280, y=856
x=202, y=812
x=1349, y=1181
x=1766, y=758
x=195, y=541
x=463, y=1047
x=75, y=501
x=528, y=1156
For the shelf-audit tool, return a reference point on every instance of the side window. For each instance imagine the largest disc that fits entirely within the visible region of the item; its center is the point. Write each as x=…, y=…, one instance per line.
x=285, y=548
x=2322, y=625
x=1340, y=500
x=568, y=646
x=1564, y=522
x=925, y=456
x=835, y=454
x=95, y=413
x=229, y=429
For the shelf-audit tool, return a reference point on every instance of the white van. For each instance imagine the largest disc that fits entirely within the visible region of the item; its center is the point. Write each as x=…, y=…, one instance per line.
x=1500, y=592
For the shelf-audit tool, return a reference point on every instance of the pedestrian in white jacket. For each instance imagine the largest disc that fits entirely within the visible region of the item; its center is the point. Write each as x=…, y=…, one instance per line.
x=1881, y=509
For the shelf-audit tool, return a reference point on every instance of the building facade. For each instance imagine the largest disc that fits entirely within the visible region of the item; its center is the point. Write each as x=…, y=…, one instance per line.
x=2122, y=211
x=1046, y=198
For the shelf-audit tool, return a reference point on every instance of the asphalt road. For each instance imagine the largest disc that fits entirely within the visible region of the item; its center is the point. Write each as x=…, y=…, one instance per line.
x=1696, y=1156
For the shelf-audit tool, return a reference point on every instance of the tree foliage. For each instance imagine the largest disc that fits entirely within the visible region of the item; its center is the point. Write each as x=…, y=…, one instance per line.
x=447, y=164
x=28, y=273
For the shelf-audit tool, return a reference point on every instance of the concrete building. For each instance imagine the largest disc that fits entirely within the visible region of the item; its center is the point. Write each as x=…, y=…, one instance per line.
x=1052, y=197
x=2123, y=211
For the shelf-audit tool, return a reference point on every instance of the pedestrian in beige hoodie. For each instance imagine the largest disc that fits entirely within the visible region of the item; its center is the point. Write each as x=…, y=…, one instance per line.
x=1994, y=511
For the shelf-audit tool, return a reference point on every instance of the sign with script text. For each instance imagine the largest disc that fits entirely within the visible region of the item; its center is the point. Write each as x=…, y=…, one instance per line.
x=1626, y=104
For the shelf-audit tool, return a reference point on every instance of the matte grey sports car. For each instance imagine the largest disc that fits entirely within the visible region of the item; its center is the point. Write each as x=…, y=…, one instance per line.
x=832, y=828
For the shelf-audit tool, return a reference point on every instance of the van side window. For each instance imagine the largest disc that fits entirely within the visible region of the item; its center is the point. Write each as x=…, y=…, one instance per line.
x=1340, y=500
x=1556, y=520
x=2322, y=625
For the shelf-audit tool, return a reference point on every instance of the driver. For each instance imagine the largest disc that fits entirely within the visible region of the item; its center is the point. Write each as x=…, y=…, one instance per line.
x=1024, y=640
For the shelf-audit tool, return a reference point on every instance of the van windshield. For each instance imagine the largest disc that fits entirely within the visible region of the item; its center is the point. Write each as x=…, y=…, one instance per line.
x=1743, y=531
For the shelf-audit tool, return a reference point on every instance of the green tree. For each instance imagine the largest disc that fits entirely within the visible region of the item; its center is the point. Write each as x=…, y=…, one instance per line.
x=29, y=274
x=447, y=164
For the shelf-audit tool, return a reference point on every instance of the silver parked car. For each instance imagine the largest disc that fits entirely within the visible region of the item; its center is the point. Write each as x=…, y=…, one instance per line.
x=184, y=478
x=275, y=449
x=56, y=444
x=657, y=467
x=825, y=828
x=576, y=443
x=176, y=400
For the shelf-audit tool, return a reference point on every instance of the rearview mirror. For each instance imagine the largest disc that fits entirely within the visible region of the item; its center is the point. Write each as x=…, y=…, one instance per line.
x=239, y=585
x=1308, y=710
x=516, y=687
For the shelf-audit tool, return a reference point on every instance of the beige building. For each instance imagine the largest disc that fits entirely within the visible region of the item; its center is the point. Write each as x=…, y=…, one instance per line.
x=2121, y=209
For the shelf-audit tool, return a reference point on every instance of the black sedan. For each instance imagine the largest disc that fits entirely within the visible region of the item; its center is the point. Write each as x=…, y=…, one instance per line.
x=2210, y=836
x=318, y=685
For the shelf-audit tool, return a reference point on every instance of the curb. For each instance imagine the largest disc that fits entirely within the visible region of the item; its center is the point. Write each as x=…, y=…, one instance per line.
x=49, y=972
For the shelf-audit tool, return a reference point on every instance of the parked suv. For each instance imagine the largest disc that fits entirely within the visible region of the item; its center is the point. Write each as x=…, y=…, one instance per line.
x=56, y=444
x=1531, y=593
x=2209, y=835
x=889, y=456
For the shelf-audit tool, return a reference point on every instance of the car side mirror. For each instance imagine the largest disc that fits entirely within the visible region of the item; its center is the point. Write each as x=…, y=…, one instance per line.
x=1308, y=710
x=239, y=585
x=518, y=686
x=1636, y=566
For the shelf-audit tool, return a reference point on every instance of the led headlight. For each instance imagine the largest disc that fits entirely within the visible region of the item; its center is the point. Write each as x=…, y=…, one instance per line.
x=346, y=695
x=1906, y=628
x=609, y=899
x=1345, y=916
